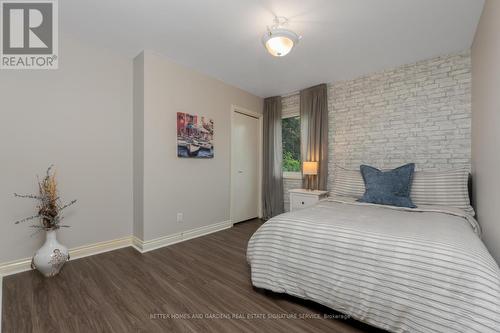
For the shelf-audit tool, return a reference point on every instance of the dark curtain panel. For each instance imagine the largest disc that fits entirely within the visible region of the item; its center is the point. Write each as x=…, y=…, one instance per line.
x=314, y=133
x=272, y=183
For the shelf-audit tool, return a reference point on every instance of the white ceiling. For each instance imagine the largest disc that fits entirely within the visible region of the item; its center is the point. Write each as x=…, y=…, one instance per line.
x=342, y=39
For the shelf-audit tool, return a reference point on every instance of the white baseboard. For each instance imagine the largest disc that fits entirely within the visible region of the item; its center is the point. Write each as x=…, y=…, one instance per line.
x=22, y=265
x=146, y=246
x=96, y=248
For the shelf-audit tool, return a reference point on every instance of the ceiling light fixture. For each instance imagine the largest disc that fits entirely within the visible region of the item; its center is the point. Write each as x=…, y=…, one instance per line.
x=278, y=40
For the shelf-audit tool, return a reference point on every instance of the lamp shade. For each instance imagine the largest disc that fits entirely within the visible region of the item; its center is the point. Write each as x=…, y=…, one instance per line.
x=310, y=168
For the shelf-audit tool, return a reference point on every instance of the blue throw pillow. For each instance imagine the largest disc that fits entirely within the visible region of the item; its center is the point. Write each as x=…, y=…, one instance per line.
x=389, y=187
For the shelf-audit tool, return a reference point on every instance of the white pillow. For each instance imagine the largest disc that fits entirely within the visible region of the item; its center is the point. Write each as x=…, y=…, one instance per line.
x=443, y=188
x=348, y=183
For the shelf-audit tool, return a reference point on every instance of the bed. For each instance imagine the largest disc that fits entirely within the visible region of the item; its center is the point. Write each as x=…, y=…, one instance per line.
x=399, y=269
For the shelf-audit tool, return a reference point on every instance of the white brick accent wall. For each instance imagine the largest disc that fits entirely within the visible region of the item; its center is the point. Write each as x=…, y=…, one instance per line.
x=415, y=113
x=289, y=184
x=418, y=113
x=290, y=105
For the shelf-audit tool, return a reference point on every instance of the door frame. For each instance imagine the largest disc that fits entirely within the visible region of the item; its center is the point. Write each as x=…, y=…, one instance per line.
x=238, y=109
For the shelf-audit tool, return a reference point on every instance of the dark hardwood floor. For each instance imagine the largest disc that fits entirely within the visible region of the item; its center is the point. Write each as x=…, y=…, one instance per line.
x=165, y=290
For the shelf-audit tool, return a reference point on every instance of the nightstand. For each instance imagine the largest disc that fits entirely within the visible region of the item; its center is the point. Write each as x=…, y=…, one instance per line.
x=300, y=198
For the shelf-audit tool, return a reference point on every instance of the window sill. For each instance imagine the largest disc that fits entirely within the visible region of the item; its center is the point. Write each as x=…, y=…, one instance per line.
x=292, y=175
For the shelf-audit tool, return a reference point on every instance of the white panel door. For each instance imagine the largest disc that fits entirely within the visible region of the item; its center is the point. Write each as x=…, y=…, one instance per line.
x=244, y=167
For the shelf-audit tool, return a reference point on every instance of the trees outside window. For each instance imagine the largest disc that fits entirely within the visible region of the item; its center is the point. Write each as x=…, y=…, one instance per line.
x=291, y=144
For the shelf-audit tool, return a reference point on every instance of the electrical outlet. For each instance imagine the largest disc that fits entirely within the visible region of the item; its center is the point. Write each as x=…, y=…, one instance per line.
x=180, y=217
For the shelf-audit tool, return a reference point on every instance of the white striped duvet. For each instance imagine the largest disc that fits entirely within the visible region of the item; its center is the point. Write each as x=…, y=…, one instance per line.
x=397, y=269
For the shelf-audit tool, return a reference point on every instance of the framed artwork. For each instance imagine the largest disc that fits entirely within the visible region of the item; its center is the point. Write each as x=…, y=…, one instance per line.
x=194, y=136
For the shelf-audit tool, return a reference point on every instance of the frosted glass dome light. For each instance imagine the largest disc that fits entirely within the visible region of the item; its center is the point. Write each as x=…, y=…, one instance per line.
x=279, y=41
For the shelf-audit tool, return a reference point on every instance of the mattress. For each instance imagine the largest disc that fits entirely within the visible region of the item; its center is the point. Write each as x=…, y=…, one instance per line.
x=399, y=269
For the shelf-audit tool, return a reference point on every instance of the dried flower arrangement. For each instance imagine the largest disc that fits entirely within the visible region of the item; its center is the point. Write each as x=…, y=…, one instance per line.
x=50, y=206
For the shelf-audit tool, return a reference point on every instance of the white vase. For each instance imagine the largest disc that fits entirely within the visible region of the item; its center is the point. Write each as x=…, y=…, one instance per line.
x=50, y=258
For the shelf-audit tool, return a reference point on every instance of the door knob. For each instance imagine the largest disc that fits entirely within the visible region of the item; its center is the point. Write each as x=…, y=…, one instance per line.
x=240, y=171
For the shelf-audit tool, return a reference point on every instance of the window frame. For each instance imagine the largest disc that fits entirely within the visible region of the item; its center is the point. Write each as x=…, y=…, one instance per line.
x=291, y=174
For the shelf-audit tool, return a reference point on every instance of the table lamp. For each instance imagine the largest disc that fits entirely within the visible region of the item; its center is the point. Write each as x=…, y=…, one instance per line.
x=310, y=169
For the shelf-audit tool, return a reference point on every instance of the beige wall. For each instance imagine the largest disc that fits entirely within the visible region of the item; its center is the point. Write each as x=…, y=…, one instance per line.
x=198, y=188
x=486, y=124
x=138, y=146
x=78, y=117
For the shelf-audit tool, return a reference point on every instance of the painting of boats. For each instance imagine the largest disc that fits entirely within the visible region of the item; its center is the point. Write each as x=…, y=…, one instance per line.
x=194, y=136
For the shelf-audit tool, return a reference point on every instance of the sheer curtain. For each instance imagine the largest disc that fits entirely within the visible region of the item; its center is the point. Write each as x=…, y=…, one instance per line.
x=314, y=133
x=272, y=183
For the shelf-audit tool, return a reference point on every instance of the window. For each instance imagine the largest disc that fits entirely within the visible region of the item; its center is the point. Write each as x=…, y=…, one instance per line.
x=291, y=147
